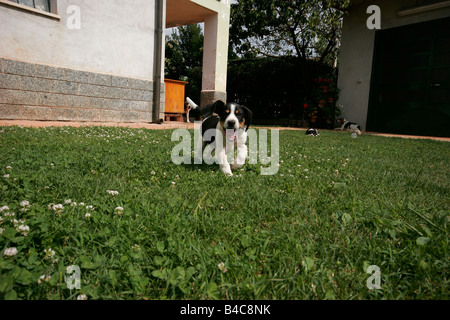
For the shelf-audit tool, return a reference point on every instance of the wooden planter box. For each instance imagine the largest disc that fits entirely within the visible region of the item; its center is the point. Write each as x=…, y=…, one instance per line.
x=174, y=105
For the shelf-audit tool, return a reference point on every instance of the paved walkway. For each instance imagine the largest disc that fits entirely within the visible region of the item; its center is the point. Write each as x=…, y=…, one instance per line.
x=41, y=124
x=167, y=125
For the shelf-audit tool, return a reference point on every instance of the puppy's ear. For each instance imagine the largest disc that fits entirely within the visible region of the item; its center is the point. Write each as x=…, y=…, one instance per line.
x=218, y=106
x=248, y=116
x=208, y=110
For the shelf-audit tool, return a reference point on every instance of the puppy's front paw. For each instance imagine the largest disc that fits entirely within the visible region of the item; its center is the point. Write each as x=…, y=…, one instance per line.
x=227, y=171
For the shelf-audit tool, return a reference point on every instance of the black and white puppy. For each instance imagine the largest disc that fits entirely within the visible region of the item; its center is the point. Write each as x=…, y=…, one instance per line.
x=225, y=127
x=350, y=126
x=312, y=132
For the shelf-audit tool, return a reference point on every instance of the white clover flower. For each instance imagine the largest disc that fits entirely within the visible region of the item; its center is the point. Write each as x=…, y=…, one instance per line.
x=1, y=230
x=8, y=168
x=10, y=252
x=68, y=201
x=118, y=210
x=9, y=214
x=112, y=192
x=6, y=176
x=87, y=215
x=153, y=173
x=49, y=253
x=4, y=208
x=44, y=277
x=222, y=267
x=25, y=203
x=24, y=229
x=58, y=208
x=90, y=207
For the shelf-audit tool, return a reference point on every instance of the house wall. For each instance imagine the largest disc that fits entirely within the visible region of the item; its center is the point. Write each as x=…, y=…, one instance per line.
x=100, y=72
x=357, y=49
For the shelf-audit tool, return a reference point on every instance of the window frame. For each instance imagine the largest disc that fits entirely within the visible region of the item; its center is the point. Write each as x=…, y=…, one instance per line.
x=53, y=14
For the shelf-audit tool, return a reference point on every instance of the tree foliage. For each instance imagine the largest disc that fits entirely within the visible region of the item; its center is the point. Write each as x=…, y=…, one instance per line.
x=184, y=58
x=271, y=87
x=306, y=29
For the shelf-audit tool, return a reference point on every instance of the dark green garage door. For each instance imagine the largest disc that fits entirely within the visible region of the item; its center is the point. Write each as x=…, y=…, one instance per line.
x=410, y=89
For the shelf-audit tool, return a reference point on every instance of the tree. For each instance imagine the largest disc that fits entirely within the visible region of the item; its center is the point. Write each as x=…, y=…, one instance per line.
x=303, y=35
x=270, y=86
x=184, y=58
x=306, y=29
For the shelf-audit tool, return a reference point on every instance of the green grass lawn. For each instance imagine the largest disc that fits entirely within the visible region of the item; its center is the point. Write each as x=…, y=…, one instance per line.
x=336, y=206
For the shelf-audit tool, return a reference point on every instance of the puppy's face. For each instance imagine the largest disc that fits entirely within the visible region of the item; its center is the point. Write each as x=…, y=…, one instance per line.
x=232, y=115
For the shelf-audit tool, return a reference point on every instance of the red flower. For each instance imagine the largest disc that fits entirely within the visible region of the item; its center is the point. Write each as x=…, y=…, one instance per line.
x=305, y=106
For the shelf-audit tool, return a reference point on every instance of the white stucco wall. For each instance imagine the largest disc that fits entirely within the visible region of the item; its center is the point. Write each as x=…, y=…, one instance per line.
x=116, y=37
x=357, y=48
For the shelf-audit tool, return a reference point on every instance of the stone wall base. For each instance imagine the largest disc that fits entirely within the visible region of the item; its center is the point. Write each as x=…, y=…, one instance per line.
x=30, y=91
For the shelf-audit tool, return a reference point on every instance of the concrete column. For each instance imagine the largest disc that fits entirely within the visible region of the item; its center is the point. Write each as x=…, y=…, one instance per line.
x=215, y=56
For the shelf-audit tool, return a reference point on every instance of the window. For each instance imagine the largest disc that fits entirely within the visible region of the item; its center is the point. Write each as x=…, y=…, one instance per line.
x=43, y=5
x=43, y=8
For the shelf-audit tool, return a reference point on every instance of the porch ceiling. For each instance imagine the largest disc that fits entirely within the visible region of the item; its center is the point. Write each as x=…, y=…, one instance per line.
x=184, y=12
x=354, y=4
